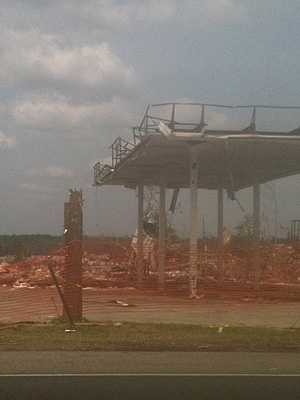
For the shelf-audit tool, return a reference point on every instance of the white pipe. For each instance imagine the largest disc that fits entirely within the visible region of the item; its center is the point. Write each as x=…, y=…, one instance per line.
x=162, y=235
x=140, y=239
x=194, y=171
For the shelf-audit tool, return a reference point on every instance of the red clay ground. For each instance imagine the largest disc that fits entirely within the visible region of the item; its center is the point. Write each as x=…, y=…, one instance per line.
x=148, y=306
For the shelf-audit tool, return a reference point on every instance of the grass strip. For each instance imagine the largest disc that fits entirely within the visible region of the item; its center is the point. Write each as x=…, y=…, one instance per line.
x=147, y=337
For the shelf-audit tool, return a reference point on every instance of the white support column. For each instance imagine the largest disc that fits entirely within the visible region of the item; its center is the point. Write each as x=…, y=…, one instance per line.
x=162, y=235
x=256, y=231
x=220, y=216
x=220, y=233
x=256, y=211
x=194, y=171
x=140, y=234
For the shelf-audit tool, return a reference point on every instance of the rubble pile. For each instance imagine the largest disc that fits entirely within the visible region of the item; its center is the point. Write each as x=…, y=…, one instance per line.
x=281, y=263
x=105, y=270
x=32, y=271
x=98, y=270
x=278, y=263
x=275, y=263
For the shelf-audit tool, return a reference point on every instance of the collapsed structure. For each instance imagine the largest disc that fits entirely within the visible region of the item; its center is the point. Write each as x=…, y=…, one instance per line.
x=173, y=154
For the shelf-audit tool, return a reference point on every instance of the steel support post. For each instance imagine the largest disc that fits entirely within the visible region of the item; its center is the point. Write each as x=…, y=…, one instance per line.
x=256, y=231
x=194, y=171
x=140, y=236
x=162, y=236
x=256, y=211
x=220, y=232
x=220, y=216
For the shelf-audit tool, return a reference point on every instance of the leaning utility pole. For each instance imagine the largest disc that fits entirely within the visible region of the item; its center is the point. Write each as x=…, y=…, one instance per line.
x=72, y=276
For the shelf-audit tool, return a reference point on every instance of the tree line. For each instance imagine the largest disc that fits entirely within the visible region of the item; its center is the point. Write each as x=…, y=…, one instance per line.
x=22, y=246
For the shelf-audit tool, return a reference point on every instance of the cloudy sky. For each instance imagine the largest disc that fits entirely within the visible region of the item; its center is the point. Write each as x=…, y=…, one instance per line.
x=76, y=74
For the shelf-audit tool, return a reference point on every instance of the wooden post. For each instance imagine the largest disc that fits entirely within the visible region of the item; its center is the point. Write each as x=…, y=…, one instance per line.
x=72, y=286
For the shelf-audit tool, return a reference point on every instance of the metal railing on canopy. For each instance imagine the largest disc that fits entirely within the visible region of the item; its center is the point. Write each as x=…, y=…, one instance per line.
x=195, y=120
x=168, y=114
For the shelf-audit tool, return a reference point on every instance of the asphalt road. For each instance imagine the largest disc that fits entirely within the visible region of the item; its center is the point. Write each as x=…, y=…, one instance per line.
x=112, y=375
x=149, y=387
x=135, y=375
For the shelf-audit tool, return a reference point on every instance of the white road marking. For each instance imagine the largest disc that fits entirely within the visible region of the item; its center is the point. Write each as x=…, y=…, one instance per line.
x=147, y=374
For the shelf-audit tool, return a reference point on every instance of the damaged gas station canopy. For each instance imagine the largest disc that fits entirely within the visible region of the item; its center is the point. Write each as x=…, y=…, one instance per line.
x=233, y=159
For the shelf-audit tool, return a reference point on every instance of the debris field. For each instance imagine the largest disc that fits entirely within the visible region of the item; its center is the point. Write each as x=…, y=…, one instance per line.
x=110, y=264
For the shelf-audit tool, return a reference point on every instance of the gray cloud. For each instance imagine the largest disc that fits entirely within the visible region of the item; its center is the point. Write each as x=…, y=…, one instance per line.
x=57, y=113
x=114, y=15
x=53, y=171
x=74, y=75
x=35, y=60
